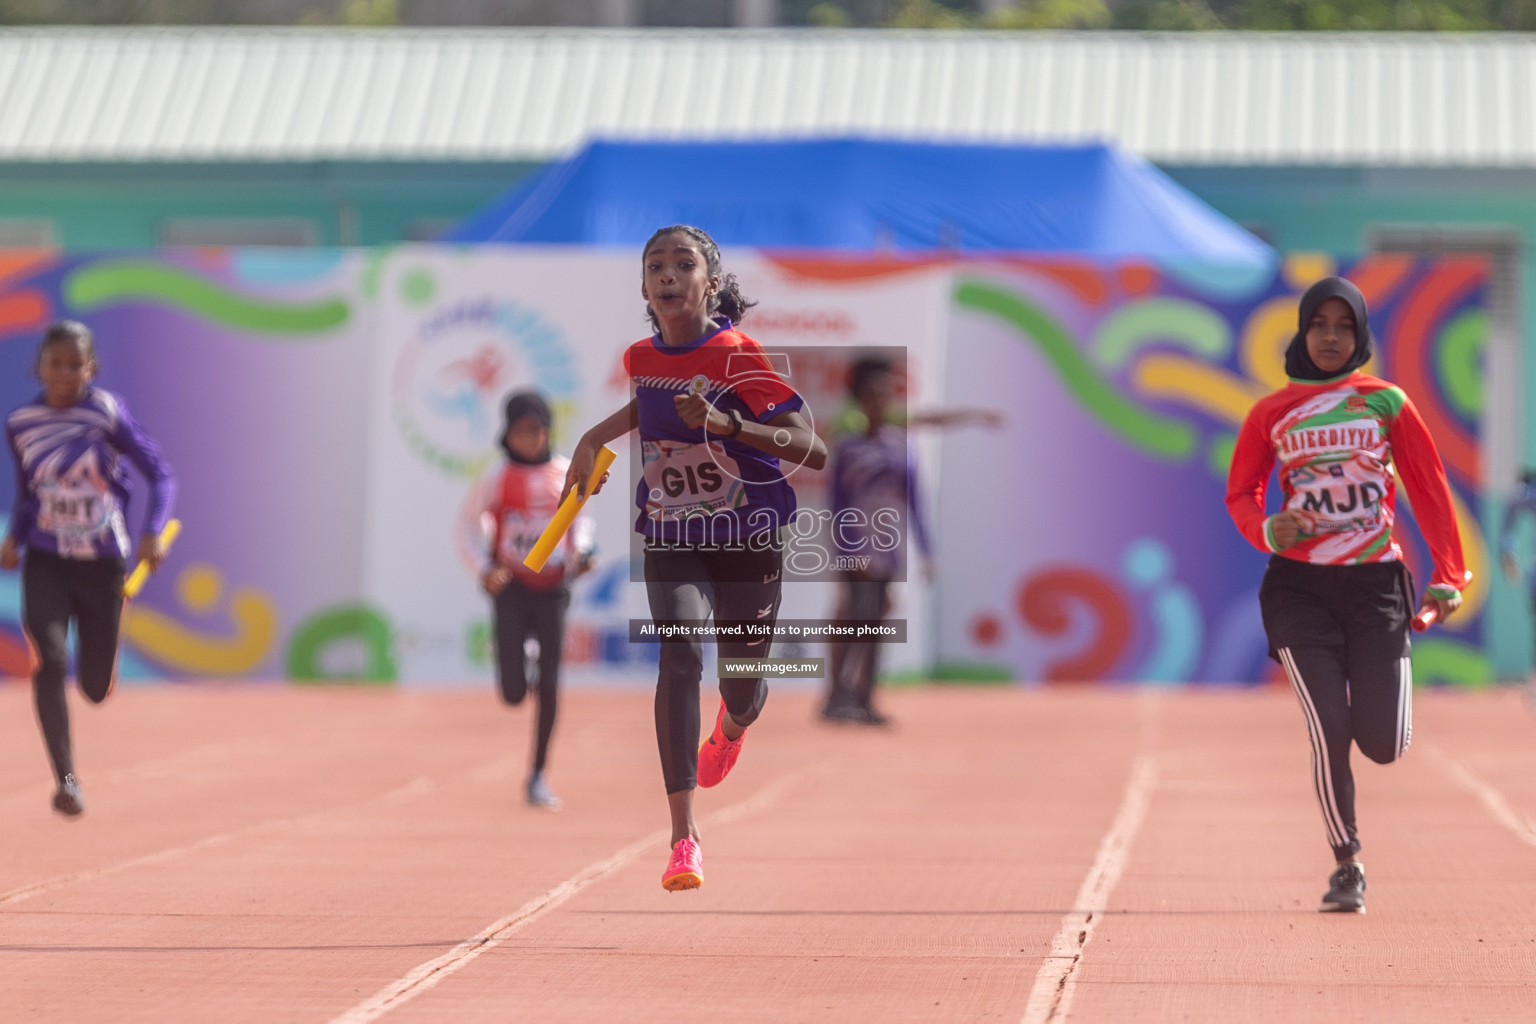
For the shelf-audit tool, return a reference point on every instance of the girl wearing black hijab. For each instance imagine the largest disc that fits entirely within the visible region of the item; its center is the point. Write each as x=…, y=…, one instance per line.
x=1337, y=597
x=514, y=504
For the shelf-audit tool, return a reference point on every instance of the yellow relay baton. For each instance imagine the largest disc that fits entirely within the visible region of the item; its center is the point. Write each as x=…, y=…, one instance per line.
x=566, y=513
x=140, y=572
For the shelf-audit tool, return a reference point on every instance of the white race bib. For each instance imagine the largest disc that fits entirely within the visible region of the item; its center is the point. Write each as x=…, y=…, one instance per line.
x=76, y=514
x=519, y=533
x=685, y=480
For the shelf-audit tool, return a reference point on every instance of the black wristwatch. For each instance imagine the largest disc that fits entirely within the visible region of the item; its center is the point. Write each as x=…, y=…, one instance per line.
x=736, y=422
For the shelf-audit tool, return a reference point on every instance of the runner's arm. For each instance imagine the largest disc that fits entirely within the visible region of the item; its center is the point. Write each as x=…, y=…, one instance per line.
x=1247, y=483
x=585, y=454
x=1418, y=463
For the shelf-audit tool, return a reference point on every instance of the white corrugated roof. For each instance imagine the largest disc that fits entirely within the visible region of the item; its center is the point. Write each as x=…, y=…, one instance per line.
x=532, y=94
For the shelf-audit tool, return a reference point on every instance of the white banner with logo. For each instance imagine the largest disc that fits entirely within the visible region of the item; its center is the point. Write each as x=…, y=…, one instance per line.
x=454, y=331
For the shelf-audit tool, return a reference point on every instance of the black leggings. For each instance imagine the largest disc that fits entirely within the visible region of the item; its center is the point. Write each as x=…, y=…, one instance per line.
x=55, y=590
x=1341, y=633
x=686, y=586
x=520, y=613
x=854, y=667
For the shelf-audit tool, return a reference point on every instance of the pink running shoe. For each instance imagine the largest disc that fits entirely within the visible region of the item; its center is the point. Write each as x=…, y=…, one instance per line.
x=717, y=755
x=686, y=868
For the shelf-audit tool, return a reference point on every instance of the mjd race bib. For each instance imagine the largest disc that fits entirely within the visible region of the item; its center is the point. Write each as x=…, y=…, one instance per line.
x=1339, y=497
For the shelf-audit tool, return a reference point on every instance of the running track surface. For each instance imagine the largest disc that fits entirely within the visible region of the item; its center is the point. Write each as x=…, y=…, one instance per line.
x=335, y=855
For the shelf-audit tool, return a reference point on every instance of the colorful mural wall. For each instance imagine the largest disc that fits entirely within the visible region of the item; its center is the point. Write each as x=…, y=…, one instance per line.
x=329, y=411
x=246, y=369
x=1109, y=553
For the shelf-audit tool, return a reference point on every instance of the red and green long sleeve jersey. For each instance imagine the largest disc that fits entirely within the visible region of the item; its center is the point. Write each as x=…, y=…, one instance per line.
x=1337, y=443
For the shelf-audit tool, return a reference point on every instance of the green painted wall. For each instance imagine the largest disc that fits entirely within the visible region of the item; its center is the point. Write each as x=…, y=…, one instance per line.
x=109, y=206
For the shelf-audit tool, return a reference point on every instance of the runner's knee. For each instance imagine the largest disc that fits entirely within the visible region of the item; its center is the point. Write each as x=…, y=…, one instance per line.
x=1382, y=750
x=95, y=686
x=682, y=662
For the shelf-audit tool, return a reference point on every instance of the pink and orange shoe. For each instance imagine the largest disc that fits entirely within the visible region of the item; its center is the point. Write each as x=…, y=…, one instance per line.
x=686, y=868
x=717, y=755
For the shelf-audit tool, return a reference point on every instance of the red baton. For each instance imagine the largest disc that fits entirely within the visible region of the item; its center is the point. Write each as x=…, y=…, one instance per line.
x=1428, y=616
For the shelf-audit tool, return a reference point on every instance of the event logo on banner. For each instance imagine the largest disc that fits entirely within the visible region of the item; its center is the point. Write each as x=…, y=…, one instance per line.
x=450, y=377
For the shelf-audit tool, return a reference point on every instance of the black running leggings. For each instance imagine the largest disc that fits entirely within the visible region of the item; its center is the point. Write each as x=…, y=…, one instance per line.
x=55, y=590
x=520, y=613
x=1341, y=633
x=686, y=586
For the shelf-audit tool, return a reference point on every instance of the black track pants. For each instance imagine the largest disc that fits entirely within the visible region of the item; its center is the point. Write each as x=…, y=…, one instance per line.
x=686, y=586
x=853, y=667
x=54, y=591
x=520, y=613
x=1341, y=633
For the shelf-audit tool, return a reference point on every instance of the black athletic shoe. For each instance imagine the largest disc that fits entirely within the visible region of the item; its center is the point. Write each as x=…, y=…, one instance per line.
x=873, y=717
x=539, y=793
x=1346, y=891
x=66, y=799
x=842, y=713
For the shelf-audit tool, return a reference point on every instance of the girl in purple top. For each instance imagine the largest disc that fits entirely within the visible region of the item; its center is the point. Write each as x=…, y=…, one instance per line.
x=71, y=494
x=715, y=419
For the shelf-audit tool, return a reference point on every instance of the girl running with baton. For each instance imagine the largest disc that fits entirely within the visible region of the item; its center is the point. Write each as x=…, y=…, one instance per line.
x=1337, y=597
x=71, y=494
x=714, y=420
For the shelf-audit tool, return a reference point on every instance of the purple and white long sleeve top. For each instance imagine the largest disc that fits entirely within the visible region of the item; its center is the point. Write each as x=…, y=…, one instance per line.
x=71, y=484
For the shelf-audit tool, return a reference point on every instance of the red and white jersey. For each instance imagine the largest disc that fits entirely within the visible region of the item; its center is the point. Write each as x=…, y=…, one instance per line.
x=511, y=506
x=1337, y=443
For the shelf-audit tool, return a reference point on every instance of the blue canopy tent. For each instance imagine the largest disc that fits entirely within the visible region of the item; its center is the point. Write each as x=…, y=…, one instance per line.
x=862, y=195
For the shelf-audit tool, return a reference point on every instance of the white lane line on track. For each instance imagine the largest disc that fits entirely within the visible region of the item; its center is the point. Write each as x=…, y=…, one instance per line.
x=1051, y=998
x=1492, y=800
x=26, y=892
x=416, y=787
x=198, y=760
x=423, y=977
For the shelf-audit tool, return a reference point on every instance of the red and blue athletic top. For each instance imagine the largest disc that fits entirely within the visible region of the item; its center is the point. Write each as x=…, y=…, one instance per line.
x=71, y=484
x=700, y=489
x=1338, y=443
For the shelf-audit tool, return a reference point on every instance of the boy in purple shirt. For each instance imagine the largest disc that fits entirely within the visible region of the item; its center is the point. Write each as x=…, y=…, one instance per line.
x=71, y=495
x=875, y=503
